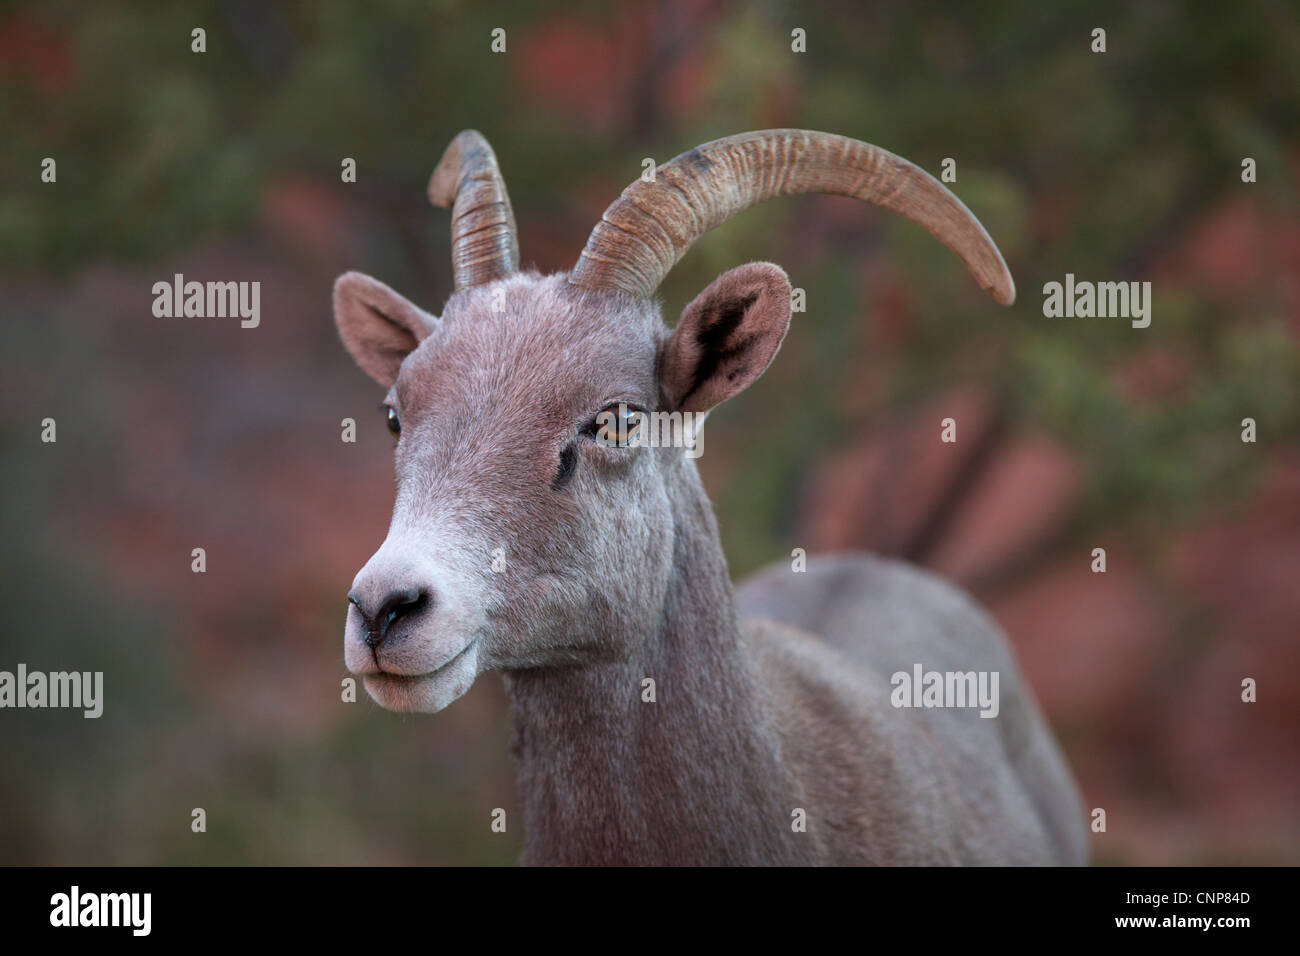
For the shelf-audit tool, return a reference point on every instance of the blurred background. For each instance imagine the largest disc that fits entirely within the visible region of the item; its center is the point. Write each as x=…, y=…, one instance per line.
x=223, y=689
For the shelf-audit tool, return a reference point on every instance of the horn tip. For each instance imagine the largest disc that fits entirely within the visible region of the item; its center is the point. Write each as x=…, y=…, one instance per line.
x=1004, y=290
x=443, y=182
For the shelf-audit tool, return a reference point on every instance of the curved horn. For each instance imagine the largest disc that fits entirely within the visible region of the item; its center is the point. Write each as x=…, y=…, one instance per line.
x=484, y=246
x=649, y=228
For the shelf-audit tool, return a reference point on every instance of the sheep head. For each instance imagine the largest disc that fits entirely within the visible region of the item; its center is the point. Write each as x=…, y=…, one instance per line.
x=542, y=506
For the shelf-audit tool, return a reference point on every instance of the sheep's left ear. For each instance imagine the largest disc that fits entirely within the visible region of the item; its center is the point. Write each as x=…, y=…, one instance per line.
x=379, y=328
x=726, y=337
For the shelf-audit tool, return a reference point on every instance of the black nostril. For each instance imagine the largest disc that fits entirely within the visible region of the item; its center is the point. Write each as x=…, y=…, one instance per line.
x=397, y=605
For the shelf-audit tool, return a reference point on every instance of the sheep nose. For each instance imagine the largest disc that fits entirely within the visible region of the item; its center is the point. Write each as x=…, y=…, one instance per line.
x=397, y=605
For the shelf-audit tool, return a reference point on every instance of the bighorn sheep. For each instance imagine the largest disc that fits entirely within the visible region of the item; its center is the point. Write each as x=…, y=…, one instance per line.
x=524, y=540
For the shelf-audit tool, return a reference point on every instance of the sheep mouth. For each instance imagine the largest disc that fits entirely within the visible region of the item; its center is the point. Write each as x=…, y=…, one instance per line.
x=400, y=679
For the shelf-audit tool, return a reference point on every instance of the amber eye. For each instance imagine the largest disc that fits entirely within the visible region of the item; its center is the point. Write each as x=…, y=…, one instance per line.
x=394, y=425
x=617, y=426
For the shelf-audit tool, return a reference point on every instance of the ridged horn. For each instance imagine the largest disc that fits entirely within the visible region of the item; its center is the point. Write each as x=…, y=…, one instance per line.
x=484, y=244
x=648, y=229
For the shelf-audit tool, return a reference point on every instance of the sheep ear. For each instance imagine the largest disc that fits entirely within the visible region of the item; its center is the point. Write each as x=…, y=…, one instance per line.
x=379, y=328
x=726, y=337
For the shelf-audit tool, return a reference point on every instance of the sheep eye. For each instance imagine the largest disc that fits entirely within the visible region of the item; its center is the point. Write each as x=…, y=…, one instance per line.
x=394, y=425
x=617, y=425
